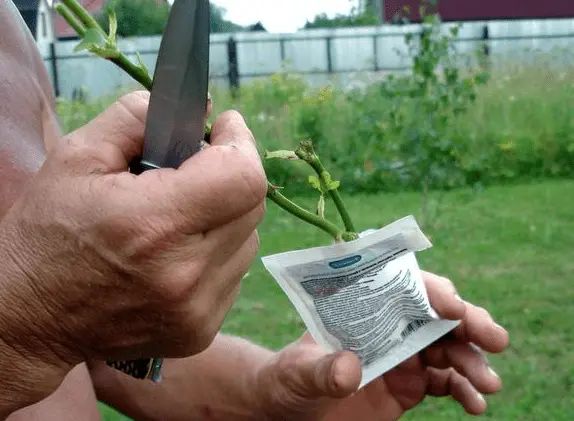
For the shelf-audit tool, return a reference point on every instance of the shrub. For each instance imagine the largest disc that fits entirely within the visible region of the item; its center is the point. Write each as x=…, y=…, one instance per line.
x=430, y=129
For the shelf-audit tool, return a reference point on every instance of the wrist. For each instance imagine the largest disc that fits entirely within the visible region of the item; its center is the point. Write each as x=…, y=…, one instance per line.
x=25, y=379
x=31, y=364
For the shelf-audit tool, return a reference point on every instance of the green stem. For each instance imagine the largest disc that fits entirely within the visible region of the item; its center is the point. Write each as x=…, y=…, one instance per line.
x=68, y=17
x=322, y=223
x=83, y=15
x=338, y=200
x=136, y=72
x=307, y=153
x=118, y=58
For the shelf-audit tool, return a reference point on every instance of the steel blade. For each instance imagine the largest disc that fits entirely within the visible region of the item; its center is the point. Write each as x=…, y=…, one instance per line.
x=175, y=122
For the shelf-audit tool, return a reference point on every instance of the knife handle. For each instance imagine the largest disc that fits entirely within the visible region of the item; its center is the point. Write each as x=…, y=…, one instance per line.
x=143, y=368
x=137, y=167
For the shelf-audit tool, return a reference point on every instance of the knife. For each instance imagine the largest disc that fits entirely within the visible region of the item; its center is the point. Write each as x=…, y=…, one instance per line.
x=175, y=127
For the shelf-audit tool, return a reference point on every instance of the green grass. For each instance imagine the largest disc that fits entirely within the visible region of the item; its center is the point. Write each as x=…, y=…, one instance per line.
x=508, y=248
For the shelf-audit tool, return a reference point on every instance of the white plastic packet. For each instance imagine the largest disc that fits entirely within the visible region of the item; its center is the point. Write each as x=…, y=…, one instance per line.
x=366, y=296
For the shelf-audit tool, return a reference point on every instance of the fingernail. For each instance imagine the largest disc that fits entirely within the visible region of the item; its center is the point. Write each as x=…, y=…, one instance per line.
x=498, y=326
x=476, y=348
x=480, y=397
x=493, y=373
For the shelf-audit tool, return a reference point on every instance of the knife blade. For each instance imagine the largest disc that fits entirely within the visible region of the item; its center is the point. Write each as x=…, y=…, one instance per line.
x=175, y=127
x=175, y=123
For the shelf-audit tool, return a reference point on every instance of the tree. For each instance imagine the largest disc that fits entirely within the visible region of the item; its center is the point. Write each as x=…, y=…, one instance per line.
x=149, y=17
x=366, y=16
x=136, y=17
x=219, y=23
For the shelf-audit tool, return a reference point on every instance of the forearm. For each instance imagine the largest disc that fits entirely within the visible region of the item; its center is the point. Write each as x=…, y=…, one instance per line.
x=218, y=384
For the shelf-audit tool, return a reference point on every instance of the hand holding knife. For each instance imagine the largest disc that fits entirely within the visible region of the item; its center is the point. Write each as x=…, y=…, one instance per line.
x=174, y=128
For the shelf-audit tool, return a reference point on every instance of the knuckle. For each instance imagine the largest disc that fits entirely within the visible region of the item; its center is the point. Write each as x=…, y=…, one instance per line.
x=252, y=246
x=254, y=183
x=261, y=211
x=483, y=314
x=447, y=283
x=286, y=367
x=138, y=239
x=134, y=99
x=134, y=105
x=232, y=114
x=257, y=243
x=206, y=324
x=69, y=151
x=194, y=330
x=178, y=283
x=207, y=337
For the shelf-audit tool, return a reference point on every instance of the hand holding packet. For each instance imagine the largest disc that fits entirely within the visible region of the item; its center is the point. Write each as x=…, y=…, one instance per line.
x=366, y=296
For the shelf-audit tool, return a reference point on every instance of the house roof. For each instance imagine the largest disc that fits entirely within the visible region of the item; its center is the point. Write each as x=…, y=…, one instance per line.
x=484, y=10
x=61, y=27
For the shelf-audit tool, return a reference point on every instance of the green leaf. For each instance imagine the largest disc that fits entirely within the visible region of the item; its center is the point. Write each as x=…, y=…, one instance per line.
x=140, y=61
x=315, y=183
x=91, y=38
x=334, y=185
x=281, y=154
x=321, y=206
x=329, y=183
x=482, y=78
x=142, y=64
x=113, y=26
x=82, y=45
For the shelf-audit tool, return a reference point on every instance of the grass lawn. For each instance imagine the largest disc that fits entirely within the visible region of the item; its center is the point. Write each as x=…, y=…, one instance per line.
x=509, y=249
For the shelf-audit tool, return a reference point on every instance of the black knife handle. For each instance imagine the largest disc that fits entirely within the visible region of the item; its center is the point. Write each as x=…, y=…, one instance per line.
x=137, y=167
x=141, y=369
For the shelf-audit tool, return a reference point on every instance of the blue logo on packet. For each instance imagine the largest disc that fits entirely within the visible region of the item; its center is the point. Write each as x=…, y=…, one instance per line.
x=347, y=261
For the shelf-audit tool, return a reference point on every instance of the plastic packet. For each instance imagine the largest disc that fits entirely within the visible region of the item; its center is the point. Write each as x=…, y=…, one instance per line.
x=366, y=296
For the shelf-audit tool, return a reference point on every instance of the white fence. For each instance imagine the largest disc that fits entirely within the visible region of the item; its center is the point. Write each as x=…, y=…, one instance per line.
x=344, y=54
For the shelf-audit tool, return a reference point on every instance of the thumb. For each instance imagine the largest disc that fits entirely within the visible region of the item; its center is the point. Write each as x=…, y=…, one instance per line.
x=116, y=135
x=221, y=183
x=317, y=374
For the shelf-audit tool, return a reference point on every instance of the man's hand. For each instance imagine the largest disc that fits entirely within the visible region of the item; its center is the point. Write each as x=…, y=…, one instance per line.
x=98, y=263
x=303, y=382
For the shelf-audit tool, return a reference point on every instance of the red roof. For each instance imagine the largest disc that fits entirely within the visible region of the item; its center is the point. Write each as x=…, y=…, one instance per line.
x=61, y=27
x=462, y=10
